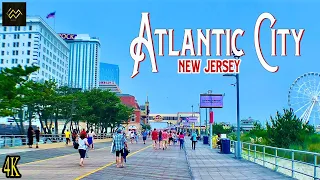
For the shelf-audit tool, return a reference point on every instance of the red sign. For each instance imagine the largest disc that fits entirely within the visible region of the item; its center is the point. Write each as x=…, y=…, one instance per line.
x=211, y=117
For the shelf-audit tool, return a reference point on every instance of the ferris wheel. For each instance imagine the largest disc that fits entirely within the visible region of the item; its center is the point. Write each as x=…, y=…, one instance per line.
x=304, y=97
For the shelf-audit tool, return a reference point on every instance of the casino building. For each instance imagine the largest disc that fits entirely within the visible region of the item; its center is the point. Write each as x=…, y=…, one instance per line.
x=109, y=72
x=109, y=85
x=84, y=61
x=35, y=44
x=109, y=77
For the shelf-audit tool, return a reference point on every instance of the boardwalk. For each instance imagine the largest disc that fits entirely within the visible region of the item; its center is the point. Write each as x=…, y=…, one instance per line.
x=60, y=162
x=206, y=164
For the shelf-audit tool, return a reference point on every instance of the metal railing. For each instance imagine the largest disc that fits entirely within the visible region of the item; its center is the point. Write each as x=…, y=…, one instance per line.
x=20, y=140
x=294, y=163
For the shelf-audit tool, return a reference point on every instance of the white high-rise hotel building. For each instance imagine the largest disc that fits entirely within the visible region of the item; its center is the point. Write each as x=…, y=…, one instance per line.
x=35, y=44
x=84, y=61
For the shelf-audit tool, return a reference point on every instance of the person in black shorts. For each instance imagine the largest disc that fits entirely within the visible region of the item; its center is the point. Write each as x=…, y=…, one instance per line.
x=160, y=139
x=170, y=138
x=37, y=132
x=120, y=143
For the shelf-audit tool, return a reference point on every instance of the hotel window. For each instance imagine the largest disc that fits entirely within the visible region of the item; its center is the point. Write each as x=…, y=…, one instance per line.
x=13, y=52
x=133, y=118
x=28, y=52
x=3, y=44
x=28, y=60
x=29, y=44
x=4, y=36
x=1, y=61
x=4, y=28
x=30, y=36
x=30, y=28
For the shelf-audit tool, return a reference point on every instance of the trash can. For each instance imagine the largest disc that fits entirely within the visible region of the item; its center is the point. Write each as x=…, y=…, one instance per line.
x=205, y=140
x=225, y=146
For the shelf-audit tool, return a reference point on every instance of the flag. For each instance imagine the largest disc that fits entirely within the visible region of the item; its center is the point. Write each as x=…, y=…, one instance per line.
x=51, y=15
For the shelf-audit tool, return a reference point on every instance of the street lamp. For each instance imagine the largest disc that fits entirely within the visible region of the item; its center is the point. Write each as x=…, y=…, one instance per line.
x=238, y=147
x=192, y=110
x=210, y=136
x=200, y=119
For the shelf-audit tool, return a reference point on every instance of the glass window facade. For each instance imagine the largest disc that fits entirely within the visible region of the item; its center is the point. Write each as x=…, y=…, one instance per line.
x=109, y=72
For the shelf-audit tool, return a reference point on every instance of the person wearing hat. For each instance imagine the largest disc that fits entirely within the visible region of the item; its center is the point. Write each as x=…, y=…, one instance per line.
x=120, y=143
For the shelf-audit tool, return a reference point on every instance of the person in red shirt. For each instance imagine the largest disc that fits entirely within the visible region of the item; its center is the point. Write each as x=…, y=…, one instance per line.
x=165, y=137
x=84, y=133
x=181, y=139
x=154, y=136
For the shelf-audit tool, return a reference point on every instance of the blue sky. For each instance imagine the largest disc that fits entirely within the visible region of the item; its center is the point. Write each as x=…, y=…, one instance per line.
x=117, y=23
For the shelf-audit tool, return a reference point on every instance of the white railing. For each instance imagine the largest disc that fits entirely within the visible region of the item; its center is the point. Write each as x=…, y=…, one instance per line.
x=20, y=140
x=294, y=163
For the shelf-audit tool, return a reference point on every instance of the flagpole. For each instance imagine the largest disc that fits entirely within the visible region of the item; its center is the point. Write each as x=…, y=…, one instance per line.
x=54, y=22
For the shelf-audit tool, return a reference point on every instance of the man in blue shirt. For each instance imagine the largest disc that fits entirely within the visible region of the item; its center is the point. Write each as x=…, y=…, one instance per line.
x=144, y=136
x=120, y=143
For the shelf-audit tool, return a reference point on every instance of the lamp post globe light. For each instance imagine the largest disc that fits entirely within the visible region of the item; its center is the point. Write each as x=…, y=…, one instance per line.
x=238, y=146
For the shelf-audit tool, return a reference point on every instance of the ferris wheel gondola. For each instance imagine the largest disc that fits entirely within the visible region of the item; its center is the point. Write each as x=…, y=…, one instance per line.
x=304, y=97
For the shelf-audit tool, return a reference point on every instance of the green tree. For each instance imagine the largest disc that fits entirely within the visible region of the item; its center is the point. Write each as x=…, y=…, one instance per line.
x=285, y=129
x=12, y=92
x=12, y=88
x=219, y=128
x=40, y=100
x=103, y=109
x=146, y=127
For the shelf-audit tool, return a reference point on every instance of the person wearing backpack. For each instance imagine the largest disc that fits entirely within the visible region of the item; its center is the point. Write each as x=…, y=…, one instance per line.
x=82, y=147
x=194, y=140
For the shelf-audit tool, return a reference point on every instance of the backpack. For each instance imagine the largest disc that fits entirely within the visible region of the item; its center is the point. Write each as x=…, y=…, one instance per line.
x=75, y=145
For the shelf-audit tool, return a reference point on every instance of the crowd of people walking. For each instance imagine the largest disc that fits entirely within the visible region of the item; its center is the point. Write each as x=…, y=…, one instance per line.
x=163, y=138
x=84, y=141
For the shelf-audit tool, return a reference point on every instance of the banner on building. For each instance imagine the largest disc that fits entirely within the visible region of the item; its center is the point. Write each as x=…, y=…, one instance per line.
x=191, y=119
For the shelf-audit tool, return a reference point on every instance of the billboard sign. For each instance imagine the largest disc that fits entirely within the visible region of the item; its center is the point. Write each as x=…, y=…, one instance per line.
x=67, y=36
x=211, y=101
x=189, y=119
x=158, y=118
